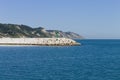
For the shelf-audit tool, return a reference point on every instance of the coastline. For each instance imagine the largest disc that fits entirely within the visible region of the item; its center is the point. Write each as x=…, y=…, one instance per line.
x=38, y=42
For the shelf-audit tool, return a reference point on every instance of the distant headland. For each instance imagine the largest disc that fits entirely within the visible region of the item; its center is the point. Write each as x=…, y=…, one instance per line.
x=14, y=34
x=20, y=31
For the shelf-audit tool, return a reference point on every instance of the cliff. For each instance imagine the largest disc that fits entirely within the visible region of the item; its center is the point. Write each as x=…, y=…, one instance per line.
x=19, y=31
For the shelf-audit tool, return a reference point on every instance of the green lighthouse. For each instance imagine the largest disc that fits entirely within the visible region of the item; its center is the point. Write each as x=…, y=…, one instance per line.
x=57, y=34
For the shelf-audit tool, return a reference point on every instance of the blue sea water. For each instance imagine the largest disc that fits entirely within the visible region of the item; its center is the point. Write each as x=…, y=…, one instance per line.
x=93, y=60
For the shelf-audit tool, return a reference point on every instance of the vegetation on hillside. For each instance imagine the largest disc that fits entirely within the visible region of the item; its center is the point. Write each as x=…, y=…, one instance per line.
x=17, y=31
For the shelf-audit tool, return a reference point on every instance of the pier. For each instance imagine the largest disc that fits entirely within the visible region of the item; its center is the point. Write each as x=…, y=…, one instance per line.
x=39, y=41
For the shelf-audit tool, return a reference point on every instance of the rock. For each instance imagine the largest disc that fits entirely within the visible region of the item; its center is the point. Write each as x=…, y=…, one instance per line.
x=38, y=41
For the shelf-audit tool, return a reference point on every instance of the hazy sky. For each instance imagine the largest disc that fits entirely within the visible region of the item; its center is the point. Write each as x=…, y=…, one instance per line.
x=89, y=18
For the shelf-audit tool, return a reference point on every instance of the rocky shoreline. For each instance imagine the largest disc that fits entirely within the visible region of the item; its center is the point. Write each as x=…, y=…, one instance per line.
x=39, y=41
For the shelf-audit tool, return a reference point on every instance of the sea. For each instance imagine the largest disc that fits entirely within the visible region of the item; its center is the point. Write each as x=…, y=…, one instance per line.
x=95, y=59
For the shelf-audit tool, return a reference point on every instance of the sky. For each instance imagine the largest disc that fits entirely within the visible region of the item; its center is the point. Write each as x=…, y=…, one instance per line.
x=93, y=19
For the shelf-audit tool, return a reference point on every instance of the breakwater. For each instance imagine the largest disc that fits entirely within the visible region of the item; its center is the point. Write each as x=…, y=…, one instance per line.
x=38, y=41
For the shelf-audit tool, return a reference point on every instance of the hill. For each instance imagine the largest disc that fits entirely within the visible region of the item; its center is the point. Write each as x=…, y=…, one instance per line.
x=18, y=31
